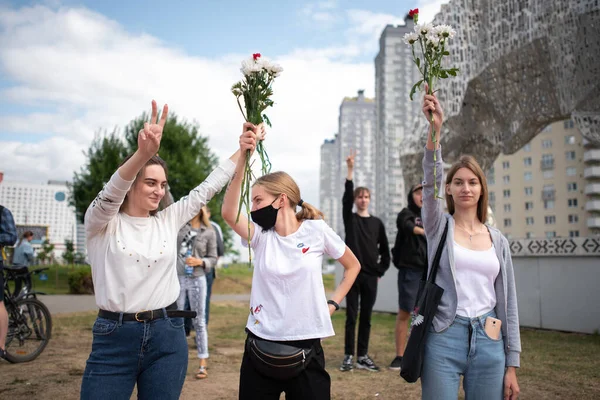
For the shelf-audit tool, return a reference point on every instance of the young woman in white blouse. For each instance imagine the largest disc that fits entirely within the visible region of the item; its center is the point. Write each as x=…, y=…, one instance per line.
x=289, y=311
x=139, y=336
x=475, y=331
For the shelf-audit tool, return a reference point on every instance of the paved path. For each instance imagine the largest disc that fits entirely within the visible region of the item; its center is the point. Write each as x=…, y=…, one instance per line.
x=67, y=303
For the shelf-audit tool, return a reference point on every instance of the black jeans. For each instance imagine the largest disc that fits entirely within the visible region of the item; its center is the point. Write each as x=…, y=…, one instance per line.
x=313, y=383
x=365, y=287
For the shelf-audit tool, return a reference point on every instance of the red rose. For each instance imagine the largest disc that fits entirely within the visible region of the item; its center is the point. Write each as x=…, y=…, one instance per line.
x=412, y=13
x=256, y=56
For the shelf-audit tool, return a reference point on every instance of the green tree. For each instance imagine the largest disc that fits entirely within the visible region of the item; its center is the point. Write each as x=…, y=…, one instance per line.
x=186, y=152
x=102, y=159
x=69, y=253
x=46, y=253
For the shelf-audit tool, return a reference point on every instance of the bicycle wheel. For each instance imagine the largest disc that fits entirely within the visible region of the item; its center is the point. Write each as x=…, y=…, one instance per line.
x=29, y=330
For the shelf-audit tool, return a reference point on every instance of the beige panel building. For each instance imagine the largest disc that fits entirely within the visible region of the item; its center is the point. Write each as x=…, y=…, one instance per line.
x=549, y=188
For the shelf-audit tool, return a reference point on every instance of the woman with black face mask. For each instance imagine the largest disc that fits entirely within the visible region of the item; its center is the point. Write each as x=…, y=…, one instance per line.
x=289, y=312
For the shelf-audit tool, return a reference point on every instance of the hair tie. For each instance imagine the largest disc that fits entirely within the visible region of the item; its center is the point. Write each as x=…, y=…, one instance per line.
x=300, y=203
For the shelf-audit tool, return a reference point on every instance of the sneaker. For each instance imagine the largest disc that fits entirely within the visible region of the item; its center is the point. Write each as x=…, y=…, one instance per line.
x=365, y=362
x=347, y=364
x=395, y=365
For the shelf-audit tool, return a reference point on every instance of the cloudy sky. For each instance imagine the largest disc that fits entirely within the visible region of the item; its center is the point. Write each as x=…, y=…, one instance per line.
x=69, y=69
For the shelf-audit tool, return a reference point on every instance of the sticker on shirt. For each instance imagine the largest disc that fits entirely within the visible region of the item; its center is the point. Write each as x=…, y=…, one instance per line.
x=254, y=311
x=303, y=247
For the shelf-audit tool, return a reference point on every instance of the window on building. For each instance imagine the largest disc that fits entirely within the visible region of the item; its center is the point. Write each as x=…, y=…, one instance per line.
x=529, y=205
x=549, y=219
x=506, y=193
x=569, y=124
x=571, y=171
x=492, y=196
x=572, y=203
x=527, y=161
x=547, y=158
x=573, y=218
x=529, y=235
x=570, y=139
x=505, y=164
x=507, y=222
x=507, y=208
x=529, y=220
x=573, y=233
x=550, y=234
x=548, y=174
x=548, y=204
x=506, y=179
x=570, y=155
x=546, y=144
x=572, y=187
x=527, y=148
x=528, y=191
x=528, y=176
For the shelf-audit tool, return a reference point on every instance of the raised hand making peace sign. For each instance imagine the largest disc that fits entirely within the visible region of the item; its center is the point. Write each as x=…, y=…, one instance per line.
x=149, y=137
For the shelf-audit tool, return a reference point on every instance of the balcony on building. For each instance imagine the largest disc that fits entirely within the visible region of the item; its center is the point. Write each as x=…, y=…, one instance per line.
x=592, y=205
x=591, y=156
x=546, y=165
x=549, y=194
x=592, y=189
x=593, y=223
x=592, y=172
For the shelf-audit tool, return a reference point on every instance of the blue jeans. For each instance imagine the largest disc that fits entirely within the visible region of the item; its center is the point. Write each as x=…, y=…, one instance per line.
x=152, y=354
x=193, y=288
x=463, y=349
x=210, y=277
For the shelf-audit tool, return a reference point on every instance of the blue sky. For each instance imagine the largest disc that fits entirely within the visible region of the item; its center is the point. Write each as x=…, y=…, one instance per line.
x=72, y=69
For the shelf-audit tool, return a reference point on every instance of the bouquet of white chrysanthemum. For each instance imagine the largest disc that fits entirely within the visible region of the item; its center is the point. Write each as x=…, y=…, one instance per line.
x=431, y=41
x=255, y=88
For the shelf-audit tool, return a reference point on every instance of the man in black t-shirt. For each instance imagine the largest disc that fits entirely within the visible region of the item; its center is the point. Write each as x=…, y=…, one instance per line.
x=366, y=237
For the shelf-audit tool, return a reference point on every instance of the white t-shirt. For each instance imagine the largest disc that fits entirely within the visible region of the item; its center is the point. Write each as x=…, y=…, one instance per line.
x=476, y=272
x=134, y=258
x=288, y=300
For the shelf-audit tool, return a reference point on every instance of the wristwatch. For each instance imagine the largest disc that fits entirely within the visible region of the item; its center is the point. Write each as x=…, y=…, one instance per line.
x=333, y=303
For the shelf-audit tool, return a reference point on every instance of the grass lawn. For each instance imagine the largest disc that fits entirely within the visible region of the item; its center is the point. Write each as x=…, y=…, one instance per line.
x=232, y=279
x=555, y=365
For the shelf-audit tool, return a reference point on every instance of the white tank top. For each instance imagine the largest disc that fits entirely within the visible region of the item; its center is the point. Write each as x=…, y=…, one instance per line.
x=476, y=272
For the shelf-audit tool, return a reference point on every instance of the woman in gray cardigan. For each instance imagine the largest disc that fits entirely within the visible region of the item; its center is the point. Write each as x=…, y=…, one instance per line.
x=197, y=256
x=476, y=273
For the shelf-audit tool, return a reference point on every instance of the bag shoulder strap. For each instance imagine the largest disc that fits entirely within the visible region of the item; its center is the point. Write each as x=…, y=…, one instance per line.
x=438, y=255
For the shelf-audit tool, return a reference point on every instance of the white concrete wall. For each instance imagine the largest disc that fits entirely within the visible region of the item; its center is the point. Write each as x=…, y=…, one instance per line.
x=554, y=292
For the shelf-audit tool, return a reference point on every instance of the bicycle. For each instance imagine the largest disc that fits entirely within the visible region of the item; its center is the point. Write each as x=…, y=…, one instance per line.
x=29, y=320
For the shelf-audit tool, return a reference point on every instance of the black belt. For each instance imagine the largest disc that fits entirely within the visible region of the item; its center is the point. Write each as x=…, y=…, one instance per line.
x=148, y=315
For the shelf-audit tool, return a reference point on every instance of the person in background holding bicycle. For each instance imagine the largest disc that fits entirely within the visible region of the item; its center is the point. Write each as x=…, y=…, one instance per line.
x=24, y=251
x=138, y=337
x=8, y=237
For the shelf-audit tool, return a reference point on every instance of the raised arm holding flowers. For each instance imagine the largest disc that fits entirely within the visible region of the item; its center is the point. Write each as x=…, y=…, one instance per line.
x=431, y=41
x=256, y=90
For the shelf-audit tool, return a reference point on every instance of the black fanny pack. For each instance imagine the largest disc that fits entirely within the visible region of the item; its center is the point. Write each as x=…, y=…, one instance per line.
x=276, y=360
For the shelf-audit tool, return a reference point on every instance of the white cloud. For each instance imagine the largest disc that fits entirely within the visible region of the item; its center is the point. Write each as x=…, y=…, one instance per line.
x=429, y=8
x=90, y=74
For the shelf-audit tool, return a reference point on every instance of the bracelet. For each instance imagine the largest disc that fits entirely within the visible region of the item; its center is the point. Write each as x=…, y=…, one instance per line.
x=333, y=303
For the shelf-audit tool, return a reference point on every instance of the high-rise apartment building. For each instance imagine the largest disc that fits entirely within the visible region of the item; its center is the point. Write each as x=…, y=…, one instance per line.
x=395, y=74
x=356, y=131
x=42, y=205
x=549, y=188
x=329, y=190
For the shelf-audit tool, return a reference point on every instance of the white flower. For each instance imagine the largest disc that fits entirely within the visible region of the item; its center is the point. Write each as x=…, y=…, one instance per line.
x=250, y=65
x=445, y=31
x=275, y=69
x=423, y=29
x=410, y=38
x=433, y=39
x=270, y=67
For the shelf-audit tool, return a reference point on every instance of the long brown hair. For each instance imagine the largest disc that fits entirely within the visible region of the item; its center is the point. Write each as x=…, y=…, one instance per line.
x=280, y=182
x=155, y=160
x=203, y=216
x=470, y=163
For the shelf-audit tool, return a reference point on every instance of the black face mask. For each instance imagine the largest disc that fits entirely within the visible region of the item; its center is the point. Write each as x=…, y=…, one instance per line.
x=265, y=217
